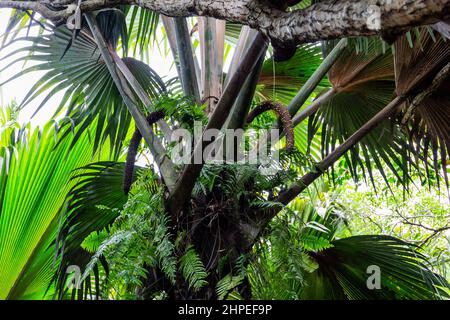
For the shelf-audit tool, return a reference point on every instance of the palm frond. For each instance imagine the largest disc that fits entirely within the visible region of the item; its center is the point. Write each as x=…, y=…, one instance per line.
x=344, y=270
x=362, y=91
x=427, y=124
x=20, y=21
x=89, y=90
x=280, y=81
x=33, y=189
x=93, y=204
x=142, y=29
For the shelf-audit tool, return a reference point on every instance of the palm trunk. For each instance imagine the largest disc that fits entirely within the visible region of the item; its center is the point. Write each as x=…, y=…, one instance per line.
x=189, y=79
x=212, y=37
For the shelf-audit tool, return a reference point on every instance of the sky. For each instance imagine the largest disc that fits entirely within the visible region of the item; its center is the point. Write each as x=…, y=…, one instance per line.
x=18, y=88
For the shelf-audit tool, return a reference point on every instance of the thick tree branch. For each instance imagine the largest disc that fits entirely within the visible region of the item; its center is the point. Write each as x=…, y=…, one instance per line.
x=327, y=19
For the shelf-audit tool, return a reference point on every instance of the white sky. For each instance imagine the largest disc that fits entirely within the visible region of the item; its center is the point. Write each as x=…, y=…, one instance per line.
x=18, y=88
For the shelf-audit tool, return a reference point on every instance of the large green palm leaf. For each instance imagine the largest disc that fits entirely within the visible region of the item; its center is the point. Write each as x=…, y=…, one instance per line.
x=34, y=185
x=92, y=205
x=280, y=81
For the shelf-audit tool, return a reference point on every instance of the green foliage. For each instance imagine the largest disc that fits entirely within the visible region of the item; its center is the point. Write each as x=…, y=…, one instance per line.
x=181, y=110
x=34, y=181
x=193, y=269
x=93, y=204
x=227, y=284
x=142, y=28
x=360, y=94
x=278, y=271
x=344, y=269
x=9, y=126
x=55, y=202
x=421, y=218
x=318, y=265
x=280, y=81
x=138, y=239
x=226, y=287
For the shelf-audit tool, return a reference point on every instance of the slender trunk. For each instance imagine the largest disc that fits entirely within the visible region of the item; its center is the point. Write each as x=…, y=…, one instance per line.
x=212, y=37
x=317, y=76
x=192, y=171
x=189, y=79
x=169, y=27
x=157, y=149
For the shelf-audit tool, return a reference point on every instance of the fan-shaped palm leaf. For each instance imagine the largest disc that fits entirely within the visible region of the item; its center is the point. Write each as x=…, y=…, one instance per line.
x=428, y=123
x=89, y=91
x=34, y=184
x=93, y=204
x=280, y=81
x=363, y=84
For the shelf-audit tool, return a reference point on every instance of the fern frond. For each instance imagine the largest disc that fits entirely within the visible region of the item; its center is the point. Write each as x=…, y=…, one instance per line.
x=193, y=270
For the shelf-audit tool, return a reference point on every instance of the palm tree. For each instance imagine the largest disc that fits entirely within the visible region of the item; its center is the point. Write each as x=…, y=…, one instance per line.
x=194, y=231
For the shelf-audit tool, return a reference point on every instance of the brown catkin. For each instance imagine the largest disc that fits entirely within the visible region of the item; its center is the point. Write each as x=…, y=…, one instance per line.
x=284, y=116
x=133, y=149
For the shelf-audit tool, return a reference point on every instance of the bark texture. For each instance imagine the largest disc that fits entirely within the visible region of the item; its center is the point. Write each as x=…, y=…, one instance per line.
x=327, y=19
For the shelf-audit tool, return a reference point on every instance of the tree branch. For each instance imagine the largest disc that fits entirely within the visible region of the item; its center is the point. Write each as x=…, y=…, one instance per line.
x=328, y=19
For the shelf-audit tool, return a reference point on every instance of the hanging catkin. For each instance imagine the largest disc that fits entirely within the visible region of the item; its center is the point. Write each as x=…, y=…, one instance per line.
x=284, y=116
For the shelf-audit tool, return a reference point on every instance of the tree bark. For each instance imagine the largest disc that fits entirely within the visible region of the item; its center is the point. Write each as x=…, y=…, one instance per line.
x=328, y=19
